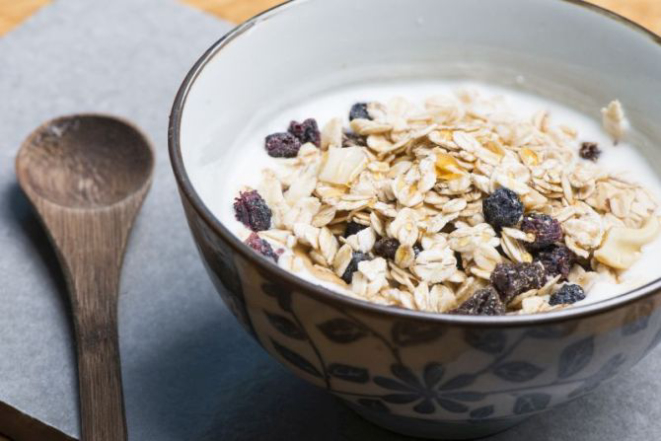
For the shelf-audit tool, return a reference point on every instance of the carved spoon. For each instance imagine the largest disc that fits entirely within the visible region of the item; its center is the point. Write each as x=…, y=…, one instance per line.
x=87, y=176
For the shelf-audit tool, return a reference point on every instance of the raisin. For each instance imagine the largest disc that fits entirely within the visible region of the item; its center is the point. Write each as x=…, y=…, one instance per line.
x=417, y=249
x=557, y=260
x=547, y=230
x=351, y=139
x=307, y=131
x=359, y=111
x=251, y=209
x=568, y=294
x=502, y=208
x=512, y=279
x=282, y=145
x=460, y=261
x=484, y=301
x=353, y=228
x=386, y=247
x=356, y=258
x=590, y=151
x=261, y=246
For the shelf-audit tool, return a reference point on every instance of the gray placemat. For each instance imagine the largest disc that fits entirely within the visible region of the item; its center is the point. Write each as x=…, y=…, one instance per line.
x=190, y=372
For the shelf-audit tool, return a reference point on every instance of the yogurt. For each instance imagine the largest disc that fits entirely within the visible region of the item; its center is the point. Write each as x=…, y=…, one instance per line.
x=248, y=157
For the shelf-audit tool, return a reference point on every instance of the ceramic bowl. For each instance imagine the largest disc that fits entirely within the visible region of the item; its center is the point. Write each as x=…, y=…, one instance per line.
x=422, y=374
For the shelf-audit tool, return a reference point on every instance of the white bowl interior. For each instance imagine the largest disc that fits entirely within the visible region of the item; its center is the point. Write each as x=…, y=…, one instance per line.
x=566, y=52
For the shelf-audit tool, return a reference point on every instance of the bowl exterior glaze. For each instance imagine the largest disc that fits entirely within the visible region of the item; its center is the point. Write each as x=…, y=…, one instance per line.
x=421, y=377
x=435, y=376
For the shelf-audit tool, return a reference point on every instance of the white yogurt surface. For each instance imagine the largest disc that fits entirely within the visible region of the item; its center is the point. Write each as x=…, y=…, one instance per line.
x=242, y=167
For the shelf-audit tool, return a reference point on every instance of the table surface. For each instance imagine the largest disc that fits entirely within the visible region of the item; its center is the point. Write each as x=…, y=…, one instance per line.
x=13, y=12
x=646, y=12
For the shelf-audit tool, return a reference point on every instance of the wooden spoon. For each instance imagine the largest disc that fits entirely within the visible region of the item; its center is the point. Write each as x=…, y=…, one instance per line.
x=87, y=176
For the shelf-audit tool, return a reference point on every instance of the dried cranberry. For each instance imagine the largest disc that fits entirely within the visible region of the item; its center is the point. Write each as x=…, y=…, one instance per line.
x=261, y=246
x=590, y=151
x=359, y=111
x=307, y=131
x=252, y=211
x=502, y=208
x=484, y=301
x=356, y=258
x=351, y=139
x=512, y=279
x=353, y=228
x=547, y=230
x=568, y=294
x=386, y=247
x=282, y=145
x=557, y=260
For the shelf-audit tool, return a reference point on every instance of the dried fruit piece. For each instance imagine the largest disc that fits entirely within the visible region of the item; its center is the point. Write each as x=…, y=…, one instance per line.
x=353, y=228
x=261, y=246
x=356, y=258
x=557, y=260
x=547, y=230
x=353, y=139
x=512, y=279
x=568, y=294
x=251, y=210
x=502, y=208
x=282, y=145
x=590, y=151
x=359, y=111
x=485, y=301
x=386, y=247
x=306, y=131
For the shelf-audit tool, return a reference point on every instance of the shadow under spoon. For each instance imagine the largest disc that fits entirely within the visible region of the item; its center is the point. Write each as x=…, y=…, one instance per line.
x=87, y=176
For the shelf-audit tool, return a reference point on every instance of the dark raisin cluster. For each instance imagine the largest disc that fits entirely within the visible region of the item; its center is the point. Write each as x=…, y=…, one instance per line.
x=557, y=260
x=502, y=208
x=547, y=230
x=282, y=145
x=590, y=151
x=356, y=258
x=568, y=294
x=306, y=131
x=251, y=209
x=386, y=247
x=287, y=144
x=261, y=246
x=512, y=279
x=353, y=228
x=359, y=111
x=484, y=301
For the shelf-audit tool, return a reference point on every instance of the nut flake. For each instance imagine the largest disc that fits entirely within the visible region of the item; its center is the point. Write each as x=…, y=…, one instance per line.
x=613, y=120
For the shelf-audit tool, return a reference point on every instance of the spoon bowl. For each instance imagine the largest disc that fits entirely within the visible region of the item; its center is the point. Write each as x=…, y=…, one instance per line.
x=87, y=176
x=85, y=161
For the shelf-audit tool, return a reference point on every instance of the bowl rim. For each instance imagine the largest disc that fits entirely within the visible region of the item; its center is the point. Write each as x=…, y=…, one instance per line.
x=326, y=295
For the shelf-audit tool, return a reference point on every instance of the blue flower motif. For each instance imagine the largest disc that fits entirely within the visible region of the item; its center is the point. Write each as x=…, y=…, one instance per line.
x=407, y=388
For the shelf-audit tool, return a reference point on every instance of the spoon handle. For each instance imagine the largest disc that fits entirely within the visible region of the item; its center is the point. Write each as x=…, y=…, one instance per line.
x=91, y=249
x=94, y=291
x=100, y=379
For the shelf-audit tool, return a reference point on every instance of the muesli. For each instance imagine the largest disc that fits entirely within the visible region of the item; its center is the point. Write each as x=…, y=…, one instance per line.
x=452, y=206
